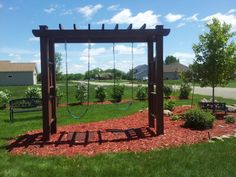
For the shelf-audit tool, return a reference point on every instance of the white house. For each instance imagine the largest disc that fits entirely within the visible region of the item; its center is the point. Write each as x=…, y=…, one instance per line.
x=17, y=73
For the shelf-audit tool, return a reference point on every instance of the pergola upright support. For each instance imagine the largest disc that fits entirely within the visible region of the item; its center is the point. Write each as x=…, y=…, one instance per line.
x=159, y=83
x=151, y=83
x=48, y=85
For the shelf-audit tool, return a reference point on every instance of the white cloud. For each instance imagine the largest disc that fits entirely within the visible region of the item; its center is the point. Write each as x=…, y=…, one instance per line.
x=228, y=18
x=192, y=18
x=180, y=25
x=16, y=56
x=173, y=17
x=94, y=51
x=33, y=39
x=49, y=10
x=7, y=50
x=231, y=11
x=13, y=8
x=89, y=10
x=125, y=17
x=113, y=7
x=123, y=49
x=185, y=57
x=67, y=12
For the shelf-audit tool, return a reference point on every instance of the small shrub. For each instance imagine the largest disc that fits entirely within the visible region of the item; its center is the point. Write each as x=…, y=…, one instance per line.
x=59, y=95
x=185, y=90
x=198, y=119
x=4, y=98
x=229, y=119
x=141, y=92
x=81, y=92
x=33, y=92
x=175, y=117
x=117, y=93
x=100, y=93
x=169, y=105
x=167, y=90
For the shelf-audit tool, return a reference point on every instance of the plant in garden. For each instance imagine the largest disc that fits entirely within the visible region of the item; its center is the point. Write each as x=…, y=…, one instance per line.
x=33, y=92
x=185, y=90
x=117, y=93
x=100, y=93
x=167, y=89
x=215, y=56
x=198, y=119
x=4, y=98
x=229, y=119
x=81, y=92
x=141, y=92
x=59, y=95
x=169, y=105
x=175, y=117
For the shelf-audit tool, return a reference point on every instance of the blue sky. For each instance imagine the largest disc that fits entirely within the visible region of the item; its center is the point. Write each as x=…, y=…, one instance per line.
x=185, y=18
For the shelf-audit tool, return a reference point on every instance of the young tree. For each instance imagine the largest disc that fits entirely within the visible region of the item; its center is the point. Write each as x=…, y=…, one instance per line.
x=215, y=56
x=171, y=59
x=58, y=62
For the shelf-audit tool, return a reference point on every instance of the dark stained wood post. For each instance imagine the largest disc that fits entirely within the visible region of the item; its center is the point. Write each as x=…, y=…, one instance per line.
x=159, y=82
x=52, y=86
x=44, y=46
x=151, y=122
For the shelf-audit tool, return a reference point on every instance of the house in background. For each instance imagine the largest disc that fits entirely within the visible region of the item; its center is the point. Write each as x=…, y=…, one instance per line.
x=170, y=71
x=17, y=73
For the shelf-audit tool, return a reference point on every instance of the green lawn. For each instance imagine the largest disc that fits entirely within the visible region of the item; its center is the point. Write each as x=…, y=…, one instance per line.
x=205, y=159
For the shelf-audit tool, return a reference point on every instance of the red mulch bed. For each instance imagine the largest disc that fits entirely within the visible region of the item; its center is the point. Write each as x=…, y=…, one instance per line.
x=62, y=105
x=130, y=133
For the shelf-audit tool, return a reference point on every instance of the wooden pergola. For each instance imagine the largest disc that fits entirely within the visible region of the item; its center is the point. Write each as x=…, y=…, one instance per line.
x=153, y=38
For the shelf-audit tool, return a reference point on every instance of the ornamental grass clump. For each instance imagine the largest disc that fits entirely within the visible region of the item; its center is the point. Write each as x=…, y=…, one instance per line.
x=4, y=98
x=100, y=93
x=169, y=105
x=59, y=95
x=198, y=119
x=185, y=90
x=81, y=92
x=141, y=93
x=33, y=92
x=167, y=90
x=229, y=119
x=117, y=93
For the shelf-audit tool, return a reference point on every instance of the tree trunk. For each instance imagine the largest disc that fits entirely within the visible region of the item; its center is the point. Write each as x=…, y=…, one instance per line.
x=192, y=95
x=213, y=99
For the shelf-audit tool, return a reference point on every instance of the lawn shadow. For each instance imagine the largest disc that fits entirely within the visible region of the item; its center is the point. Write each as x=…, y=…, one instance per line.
x=82, y=138
x=22, y=119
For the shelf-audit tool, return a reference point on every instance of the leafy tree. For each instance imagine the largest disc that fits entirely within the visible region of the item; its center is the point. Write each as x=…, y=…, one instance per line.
x=131, y=74
x=93, y=74
x=58, y=62
x=215, y=56
x=171, y=59
x=118, y=73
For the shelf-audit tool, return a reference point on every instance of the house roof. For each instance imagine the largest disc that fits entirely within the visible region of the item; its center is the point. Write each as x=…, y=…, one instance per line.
x=175, y=67
x=7, y=66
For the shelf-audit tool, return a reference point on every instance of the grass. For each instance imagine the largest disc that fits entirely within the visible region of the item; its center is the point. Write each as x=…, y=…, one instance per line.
x=205, y=159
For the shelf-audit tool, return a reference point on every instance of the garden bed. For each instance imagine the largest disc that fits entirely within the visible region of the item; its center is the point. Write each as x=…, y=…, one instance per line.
x=130, y=133
x=92, y=103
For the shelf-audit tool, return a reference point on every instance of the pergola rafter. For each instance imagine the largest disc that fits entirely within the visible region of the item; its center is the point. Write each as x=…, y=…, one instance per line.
x=48, y=38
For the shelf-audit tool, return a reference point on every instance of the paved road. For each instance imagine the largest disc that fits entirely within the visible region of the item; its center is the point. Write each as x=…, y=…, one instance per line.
x=219, y=91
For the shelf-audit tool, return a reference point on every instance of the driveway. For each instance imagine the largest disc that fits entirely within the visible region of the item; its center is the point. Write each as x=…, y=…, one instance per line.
x=219, y=91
